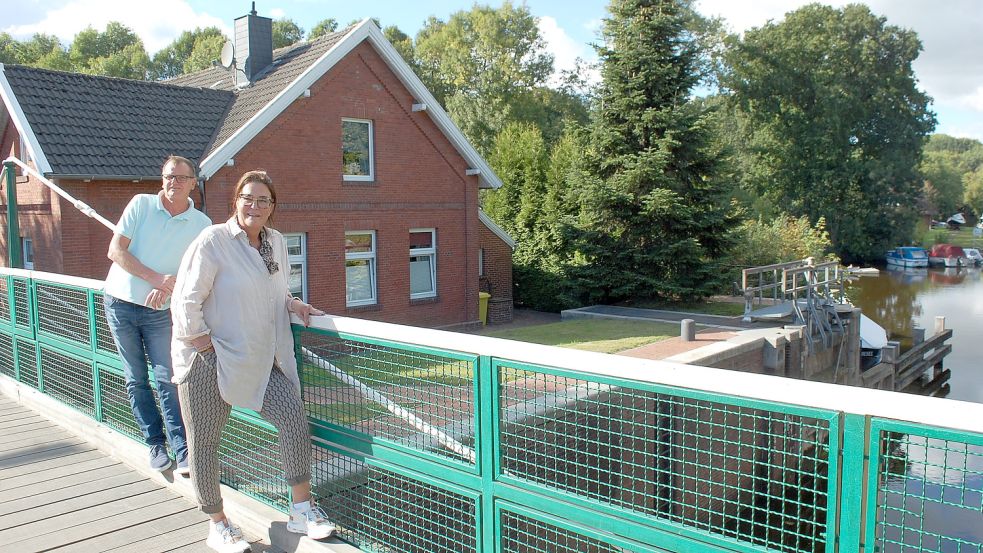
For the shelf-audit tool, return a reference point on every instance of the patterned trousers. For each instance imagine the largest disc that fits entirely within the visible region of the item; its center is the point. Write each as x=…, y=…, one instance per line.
x=205, y=414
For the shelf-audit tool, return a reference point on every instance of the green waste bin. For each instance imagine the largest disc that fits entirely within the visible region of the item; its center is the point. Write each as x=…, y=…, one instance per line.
x=483, y=307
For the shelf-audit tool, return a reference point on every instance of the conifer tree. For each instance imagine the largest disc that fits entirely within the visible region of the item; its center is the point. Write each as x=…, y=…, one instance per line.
x=653, y=215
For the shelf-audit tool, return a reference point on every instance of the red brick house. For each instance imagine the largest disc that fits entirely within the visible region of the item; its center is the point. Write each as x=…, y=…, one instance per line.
x=377, y=188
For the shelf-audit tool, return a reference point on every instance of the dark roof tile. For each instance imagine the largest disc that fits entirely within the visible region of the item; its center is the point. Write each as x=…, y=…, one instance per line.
x=76, y=119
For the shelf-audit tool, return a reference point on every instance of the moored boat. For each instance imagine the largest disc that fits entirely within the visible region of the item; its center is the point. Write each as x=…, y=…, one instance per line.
x=947, y=255
x=908, y=256
x=974, y=256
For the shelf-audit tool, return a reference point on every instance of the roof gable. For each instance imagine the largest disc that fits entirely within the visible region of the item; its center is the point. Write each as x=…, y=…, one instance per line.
x=90, y=126
x=269, y=95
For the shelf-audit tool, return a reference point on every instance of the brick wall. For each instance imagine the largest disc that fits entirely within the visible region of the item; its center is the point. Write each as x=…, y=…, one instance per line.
x=420, y=182
x=497, y=277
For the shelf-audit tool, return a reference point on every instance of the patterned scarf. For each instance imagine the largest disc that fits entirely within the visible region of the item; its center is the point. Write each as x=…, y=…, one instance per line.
x=266, y=252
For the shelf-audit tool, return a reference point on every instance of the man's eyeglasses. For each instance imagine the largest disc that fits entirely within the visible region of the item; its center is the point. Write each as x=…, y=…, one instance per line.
x=262, y=202
x=180, y=178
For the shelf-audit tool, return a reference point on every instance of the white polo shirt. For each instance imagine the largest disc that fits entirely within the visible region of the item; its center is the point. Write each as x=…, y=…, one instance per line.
x=157, y=240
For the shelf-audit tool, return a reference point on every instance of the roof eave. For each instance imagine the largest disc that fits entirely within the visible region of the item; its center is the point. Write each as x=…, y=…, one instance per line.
x=22, y=124
x=497, y=230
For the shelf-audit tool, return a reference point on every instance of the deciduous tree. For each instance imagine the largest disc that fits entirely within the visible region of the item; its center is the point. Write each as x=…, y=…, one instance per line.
x=286, y=32
x=115, y=52
x=835, y=122
x=191, y=51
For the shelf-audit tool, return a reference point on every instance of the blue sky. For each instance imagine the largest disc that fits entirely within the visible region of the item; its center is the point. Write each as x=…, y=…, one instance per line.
x=950, y=68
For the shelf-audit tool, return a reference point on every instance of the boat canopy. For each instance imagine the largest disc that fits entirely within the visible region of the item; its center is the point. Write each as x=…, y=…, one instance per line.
x=946, y=250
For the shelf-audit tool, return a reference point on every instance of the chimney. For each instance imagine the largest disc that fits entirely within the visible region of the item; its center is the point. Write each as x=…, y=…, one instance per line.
x=253, y=44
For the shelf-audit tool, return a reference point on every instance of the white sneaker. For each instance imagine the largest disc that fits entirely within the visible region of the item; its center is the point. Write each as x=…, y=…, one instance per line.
x=226, y=537
x=311, y=521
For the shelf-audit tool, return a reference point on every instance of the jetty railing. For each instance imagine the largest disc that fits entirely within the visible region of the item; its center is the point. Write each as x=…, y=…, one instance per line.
x=432, y=441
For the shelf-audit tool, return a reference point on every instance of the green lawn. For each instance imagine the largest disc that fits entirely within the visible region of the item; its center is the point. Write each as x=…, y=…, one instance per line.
x=962, y=237
x=602, y=335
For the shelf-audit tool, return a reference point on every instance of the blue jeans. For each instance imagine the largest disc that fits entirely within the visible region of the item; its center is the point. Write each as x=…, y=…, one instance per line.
x=141, y=333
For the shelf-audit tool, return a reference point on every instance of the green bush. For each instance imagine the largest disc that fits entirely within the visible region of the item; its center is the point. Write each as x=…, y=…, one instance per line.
x=781, y=240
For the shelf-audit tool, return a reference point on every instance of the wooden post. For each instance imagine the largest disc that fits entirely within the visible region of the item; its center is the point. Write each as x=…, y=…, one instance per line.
x=939, y=325
x=917, y=336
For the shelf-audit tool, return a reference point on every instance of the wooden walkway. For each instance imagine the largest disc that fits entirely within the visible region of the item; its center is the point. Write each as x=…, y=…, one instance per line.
x=59, y=493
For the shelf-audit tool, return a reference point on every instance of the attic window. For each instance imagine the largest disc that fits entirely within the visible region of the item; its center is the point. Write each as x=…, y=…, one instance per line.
x=357, y=150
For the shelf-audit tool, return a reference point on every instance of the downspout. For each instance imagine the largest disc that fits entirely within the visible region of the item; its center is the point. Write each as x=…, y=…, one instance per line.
x=14, y=253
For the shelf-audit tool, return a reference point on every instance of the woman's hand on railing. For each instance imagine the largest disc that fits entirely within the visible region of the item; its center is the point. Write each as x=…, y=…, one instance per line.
x=303, y=310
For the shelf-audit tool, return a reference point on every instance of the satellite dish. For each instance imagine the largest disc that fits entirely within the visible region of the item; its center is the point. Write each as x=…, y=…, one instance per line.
x=227, y=52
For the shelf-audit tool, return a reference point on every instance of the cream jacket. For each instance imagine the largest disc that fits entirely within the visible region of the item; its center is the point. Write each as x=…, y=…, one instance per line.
x=224, y=289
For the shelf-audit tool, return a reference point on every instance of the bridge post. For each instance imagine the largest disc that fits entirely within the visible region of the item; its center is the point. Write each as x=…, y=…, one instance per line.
x=15, y=256
x=853, y=484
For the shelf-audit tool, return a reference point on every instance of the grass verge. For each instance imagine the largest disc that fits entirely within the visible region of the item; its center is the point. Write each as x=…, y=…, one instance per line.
x=601, y=335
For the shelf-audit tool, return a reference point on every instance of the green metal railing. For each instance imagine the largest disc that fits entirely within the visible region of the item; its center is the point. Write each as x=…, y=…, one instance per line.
x=429, y=441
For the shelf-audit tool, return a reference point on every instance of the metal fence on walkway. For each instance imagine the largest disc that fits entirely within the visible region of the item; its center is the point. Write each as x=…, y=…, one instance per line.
x=431, y=441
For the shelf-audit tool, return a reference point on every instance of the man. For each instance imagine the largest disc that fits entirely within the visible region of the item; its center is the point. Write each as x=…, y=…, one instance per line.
x=150, y=239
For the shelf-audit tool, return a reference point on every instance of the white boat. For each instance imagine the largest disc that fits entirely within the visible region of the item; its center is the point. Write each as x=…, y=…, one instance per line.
x=862, y=271
x=873, y=339
x=907, y=256
x=974, y=256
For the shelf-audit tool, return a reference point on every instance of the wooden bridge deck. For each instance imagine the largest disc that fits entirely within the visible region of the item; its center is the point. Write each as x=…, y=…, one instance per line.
x=59, y=493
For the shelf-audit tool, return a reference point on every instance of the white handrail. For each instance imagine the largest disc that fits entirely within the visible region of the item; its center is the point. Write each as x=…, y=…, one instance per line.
x=79, y=204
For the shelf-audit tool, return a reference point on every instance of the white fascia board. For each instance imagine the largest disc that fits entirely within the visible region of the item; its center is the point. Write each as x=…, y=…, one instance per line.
x=487, y=177
x=364, y=30
x=499, y=231
x=23, y=127
x=232, y=145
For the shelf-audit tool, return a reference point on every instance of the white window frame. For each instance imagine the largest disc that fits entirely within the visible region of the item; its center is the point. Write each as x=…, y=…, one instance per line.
x=371, y=175
x=373, y=262
x=481, y=261
x=430, y=252
x=27, y=246
x=300, y=258
x=25, y=155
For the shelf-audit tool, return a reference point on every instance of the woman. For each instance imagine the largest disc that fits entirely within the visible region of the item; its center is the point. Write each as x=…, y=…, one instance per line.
x=233, y=345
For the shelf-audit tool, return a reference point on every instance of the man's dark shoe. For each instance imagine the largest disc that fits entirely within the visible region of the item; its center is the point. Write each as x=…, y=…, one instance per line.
x=159, y=460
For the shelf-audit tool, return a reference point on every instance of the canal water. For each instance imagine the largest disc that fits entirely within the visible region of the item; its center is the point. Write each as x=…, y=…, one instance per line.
x=903, y=299
x=932, y=488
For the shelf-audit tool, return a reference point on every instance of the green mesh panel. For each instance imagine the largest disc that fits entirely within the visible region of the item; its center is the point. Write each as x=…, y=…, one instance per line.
x=404, y=393
x=22, y=310
x=63, y=312
x=7, y=356
x=104, y=337
x=4, y=302
x=929, y=495
x=115, y=403
x=68, y=380
x=385, y=512
x=27, y=362
x=522, y=534
x=750, y=474
x=250, y=461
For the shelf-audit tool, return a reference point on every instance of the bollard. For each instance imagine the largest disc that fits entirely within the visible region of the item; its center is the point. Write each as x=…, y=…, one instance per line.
x=687, y=330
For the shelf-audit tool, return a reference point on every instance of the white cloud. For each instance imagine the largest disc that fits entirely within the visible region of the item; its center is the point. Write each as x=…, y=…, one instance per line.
x=157, y=23
x=565, y=49
x=277, y=13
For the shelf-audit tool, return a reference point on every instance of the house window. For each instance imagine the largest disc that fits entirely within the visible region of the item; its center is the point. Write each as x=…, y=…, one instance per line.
x=297, y=258
x=27, y=246
x=360, y=267
x=481, y=261
x=357, y=150
x=423, y=263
